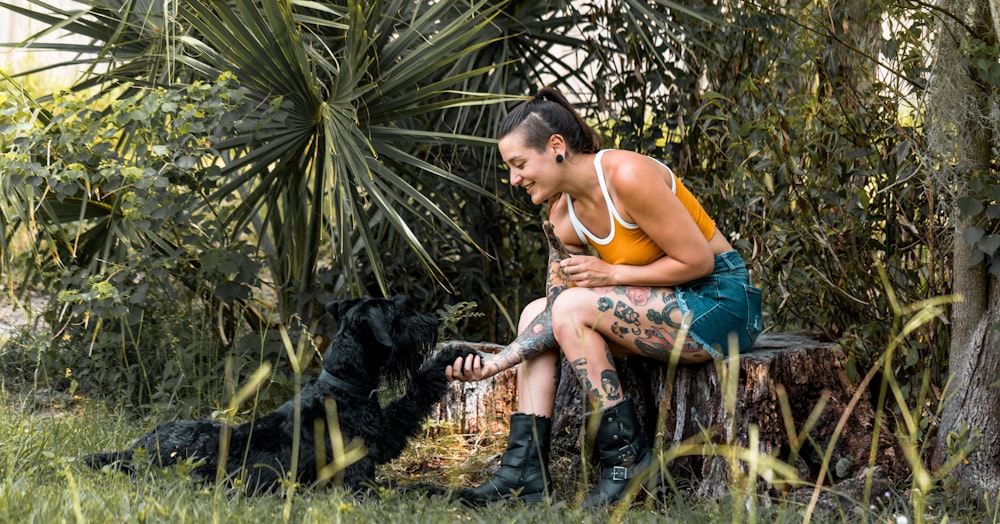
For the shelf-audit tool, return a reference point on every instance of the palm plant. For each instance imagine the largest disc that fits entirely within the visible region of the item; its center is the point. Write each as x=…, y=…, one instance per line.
x=374, y=113
x=361, y=86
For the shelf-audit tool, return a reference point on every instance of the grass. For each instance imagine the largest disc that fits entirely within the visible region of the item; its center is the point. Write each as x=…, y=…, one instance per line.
x=43, y=480
x=46, y=425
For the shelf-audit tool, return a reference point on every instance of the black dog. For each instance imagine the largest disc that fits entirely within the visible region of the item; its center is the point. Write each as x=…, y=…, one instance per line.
x=377, y=339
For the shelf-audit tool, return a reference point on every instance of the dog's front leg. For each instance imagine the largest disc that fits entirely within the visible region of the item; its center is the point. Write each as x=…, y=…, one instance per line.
x=403, y=418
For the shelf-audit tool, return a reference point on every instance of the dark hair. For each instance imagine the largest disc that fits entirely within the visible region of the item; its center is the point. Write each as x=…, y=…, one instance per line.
x=549, y=113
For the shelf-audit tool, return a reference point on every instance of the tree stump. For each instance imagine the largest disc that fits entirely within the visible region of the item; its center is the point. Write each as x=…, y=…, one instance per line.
x=480, y=407
x=792, y=369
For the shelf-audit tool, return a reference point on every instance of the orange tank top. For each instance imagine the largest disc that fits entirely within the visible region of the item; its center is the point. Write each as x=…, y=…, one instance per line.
x=626, y=243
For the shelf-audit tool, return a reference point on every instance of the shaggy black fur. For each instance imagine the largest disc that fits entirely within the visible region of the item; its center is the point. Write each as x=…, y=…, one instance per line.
x=378, y=339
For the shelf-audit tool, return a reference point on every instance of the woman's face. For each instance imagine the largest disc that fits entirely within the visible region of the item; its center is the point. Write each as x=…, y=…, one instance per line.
x=535, y=171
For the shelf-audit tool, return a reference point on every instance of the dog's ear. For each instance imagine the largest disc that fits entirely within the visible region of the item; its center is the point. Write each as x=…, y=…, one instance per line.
x=333, y=308
x=338, y=308
x=379, y=324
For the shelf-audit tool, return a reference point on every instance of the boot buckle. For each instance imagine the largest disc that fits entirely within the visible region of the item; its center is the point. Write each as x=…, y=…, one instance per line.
x=619, y=474
x=627, y=454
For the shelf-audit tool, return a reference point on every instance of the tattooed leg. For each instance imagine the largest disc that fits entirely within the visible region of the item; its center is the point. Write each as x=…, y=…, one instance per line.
x=580, y=370
x=599, y=379
x=610, y=385
x=660, y=339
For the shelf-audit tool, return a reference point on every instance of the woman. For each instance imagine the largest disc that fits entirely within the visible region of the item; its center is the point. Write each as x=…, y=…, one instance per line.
x=661, y=266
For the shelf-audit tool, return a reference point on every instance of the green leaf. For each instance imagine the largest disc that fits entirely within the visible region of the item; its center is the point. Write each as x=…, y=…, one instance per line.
x=993, y=191
x=989, y=244
x=969, y=206
x=972, y=235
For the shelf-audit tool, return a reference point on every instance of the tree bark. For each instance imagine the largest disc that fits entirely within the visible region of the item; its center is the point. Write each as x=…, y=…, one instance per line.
x=857, y=29
x=972, y=399
x=479, y=407
x=958, y=137
x=701, y=405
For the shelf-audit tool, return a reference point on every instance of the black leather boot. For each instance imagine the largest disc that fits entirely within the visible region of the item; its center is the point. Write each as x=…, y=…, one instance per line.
x=624, y=455
x=524, y=467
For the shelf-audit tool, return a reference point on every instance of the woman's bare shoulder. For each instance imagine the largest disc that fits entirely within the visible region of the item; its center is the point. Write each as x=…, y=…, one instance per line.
x=631, y=175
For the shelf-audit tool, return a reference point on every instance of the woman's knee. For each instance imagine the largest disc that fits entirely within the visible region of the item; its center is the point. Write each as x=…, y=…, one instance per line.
x=528, y=314
x=575, y=309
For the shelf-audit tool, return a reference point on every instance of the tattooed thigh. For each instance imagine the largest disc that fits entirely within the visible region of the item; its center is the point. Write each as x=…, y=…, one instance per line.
x=658, y=343
x=670, y=315
x=653, y=327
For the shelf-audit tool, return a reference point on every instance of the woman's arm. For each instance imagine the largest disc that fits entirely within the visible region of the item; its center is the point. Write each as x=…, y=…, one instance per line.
x=537, y=336
x=587, y=271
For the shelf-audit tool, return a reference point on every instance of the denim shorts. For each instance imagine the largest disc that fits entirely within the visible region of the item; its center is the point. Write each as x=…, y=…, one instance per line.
x=721, y=304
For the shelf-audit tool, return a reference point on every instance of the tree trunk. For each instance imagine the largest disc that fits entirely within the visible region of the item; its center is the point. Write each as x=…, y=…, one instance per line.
x=858, y=29
x=700, y=404
x=972, y=399
x=480, y=407
x=957, y=135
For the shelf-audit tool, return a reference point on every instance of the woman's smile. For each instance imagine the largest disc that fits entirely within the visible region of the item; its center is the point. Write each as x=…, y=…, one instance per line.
x=534, y=192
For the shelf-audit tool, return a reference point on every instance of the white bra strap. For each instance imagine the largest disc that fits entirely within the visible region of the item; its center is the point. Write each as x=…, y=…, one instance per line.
x=673, y=177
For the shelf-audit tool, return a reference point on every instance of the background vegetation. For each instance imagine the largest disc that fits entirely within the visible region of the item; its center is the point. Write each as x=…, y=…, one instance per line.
x=226, y=166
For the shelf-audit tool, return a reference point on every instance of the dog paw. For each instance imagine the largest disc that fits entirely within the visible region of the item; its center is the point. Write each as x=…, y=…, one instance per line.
x=446, y=356
x=116, y=460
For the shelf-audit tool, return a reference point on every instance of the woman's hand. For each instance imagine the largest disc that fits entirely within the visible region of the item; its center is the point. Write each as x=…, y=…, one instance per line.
x=472, y=368
x=588, y=271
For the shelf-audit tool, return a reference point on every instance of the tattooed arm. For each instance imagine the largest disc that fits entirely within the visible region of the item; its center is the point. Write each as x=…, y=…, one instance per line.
x=538, y=336
x=556, y=280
